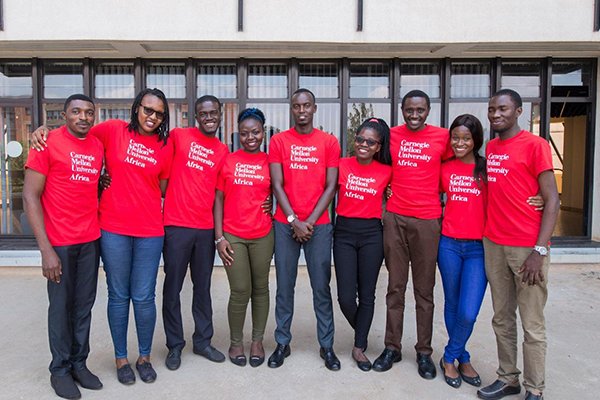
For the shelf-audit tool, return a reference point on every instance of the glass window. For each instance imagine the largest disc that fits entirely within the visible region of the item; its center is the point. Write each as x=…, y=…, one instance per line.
x=52, y=113
x=267, y=81
x=522, y=77
x=434, y=118
x=321, y=79
x=470, y=79
x=178, y=115
x=571, y=79
x=479, y=110
x=62, y=80
x=530, y=117
x=170, y=78
x=358, y=113
x=277, y=115
x=217, y=80
x=106, y=111
x=114, y=81
x=15, y=80
x=370, y=80
x=421, y=76
x=327, y=118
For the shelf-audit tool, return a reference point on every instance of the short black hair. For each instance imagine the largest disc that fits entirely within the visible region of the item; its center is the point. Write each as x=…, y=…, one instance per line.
x=304, y=90
x=416, y=93
x=205, y=98
x=514, y=96
x=163, y=128
x=77, y=96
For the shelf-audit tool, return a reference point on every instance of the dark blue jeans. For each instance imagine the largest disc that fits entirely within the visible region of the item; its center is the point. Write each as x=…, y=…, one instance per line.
x=131, y=265
x=462, y=268
x=318, y=261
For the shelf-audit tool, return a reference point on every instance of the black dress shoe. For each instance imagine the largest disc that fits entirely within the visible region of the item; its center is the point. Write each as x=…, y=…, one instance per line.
x=240, y=360
x=426, y=366
x=471, y=380
x=363, y=365
x=281, y=352
x=454, y=382
x=331, y=361
x=256, y=361
x=498, y=390
x=531, y=396
x=173, y=360
x=147, y=373
x=86, y=379
x=211, y=354
x=65, y=387
x=386, y=360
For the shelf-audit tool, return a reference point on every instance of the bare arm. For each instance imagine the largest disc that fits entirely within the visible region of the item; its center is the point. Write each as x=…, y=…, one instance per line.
x=163, y=183
x=223, y=247
x=532, y=267
x=38, y=138
x=32, y=191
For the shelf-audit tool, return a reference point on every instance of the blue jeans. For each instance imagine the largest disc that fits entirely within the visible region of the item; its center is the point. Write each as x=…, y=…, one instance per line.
x=462, y=268
x=318, y=261
x=131, y=266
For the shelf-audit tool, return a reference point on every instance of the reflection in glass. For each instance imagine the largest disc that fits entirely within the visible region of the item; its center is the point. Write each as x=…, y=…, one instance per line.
x=277, y=115
x=422, y=76
x=522, y=77
x=470, y=79
x=267, y=81
x=52, y=113
x=217, y=80
x=15, y=123
x=434, y=118
x=570, y=79
x=327, y=118
x=479, y=110
x=105, y=111
x=358, y=113
x=62, y=80
x=15, y=80
x=114, y=81
x=321, y=79
x=178, y=115
x=530, y=118
x=369, y=80
x=170, y=78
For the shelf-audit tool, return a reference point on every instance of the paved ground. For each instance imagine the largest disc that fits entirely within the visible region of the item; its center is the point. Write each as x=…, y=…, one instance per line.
x=573, y=346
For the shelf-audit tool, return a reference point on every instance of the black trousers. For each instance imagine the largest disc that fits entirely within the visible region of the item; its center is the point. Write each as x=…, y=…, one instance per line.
x=70, y=309
x=357, y=254
x=196, y=248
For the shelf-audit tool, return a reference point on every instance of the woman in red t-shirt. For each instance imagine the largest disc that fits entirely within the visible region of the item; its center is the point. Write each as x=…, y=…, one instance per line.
x=138, y=157
x=244, y=235
x=358, y=234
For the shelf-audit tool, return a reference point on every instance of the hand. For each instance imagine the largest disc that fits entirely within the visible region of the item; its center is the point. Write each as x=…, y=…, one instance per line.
x=38, y=138
x=105, y=180
x=532, y=269
x=51, y=266
x=537, y=202
x=267, y=205
x=302, y=230
x=388, y=192
x=224, y=248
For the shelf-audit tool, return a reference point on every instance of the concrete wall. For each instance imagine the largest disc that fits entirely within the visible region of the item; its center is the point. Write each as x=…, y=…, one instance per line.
x=385, y=21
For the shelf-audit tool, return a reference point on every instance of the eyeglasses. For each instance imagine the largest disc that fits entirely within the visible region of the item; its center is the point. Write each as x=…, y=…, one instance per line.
x=361, y=140
x=149, y=111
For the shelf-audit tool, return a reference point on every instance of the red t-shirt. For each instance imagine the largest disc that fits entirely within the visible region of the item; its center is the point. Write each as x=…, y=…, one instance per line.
x=132, y=205
x=513, y=167
x=465, y=212
x=416, y=163
x=361, y=188
x=70, y=198
x=305, y=159
x=246, y=183
x=191, y=192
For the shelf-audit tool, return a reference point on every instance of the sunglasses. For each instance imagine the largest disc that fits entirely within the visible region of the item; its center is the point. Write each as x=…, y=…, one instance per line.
x=149, y=111
x=361, y=140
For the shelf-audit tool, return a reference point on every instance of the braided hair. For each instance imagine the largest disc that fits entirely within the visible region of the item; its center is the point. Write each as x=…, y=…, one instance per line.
x=163, y=129
x=383, y=130
x=254, y=113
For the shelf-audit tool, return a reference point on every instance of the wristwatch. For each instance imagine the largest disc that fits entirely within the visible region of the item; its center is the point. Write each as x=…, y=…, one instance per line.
x=541, y=249
x=291, y=218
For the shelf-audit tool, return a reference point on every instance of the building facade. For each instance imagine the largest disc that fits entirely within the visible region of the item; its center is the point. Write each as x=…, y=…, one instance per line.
x=358, y=57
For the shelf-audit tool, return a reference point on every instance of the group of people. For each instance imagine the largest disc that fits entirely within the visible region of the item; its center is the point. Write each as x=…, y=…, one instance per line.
x=504, y=205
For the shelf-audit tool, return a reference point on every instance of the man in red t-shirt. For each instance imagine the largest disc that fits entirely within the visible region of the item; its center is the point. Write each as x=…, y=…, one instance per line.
x=516, y=242
x=411, y=228
x=60, y=199
x=304, y=173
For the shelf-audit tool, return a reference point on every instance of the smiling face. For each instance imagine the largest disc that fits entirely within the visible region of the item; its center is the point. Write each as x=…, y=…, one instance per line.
x=366, y=145
x=150, y=114
x=415, y=112
x=462, y=143
x=252, y=134
x=79, y=117
x=303, y=109
x=208, y=116
x=503, y=113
